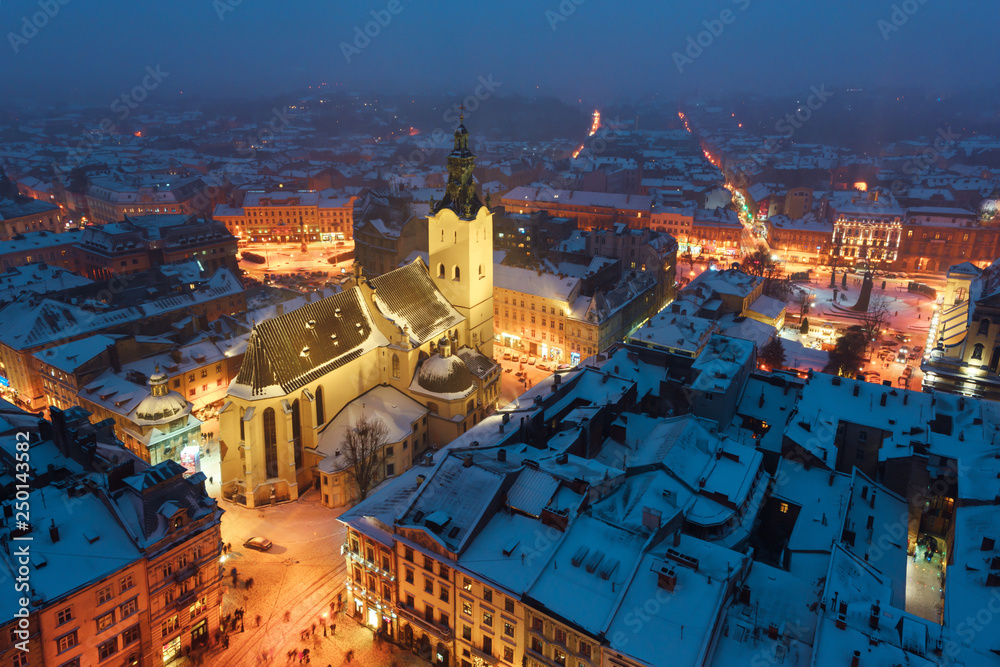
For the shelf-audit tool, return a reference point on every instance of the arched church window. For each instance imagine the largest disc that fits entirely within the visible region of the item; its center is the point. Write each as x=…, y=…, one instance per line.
x=270, y=444
x=977, y=351
x=395, y=366
x=457, y=273
x=441, y=270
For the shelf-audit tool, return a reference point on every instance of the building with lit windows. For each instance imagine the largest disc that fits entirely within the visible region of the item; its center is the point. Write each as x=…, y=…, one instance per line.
x=525, y=542
x=591, y=209
x=867, y=231
x=289, y=216
x=110, y=201
x=935, y=239
x=150, y=537
x=20, y=214
x=962, y=352
x=806, y=239
x=424, y=331
x=551, y=315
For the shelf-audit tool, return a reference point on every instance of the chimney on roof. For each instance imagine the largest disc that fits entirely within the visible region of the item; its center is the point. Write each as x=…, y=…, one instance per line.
x=873, y=618
x=467, y=461
x=856, y=660
x=54, y=532
x=501, y=453
x=857, y=388
x=832, y=473
x=882, y=400
x=651, y=518
x=667, y=578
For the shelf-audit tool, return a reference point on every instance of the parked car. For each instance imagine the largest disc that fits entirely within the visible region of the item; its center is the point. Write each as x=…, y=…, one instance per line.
x=563, y=367
x=258, y=543
x=542, y=365
x=506, y=356
x=524, y=358
x=531, y=361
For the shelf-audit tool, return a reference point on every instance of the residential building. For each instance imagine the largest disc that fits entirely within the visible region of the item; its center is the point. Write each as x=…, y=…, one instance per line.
x=52, y=320
x=141, y=243
x=528, y=237
x=110, y=201
x=151, y=591
x=289, y=216
x=804, y=239
x=935, y=239
x=20, y=214
x=591, y=209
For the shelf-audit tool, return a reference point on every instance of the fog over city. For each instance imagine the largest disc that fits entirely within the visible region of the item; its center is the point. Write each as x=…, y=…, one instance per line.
x=534, y=333
x=593, y=49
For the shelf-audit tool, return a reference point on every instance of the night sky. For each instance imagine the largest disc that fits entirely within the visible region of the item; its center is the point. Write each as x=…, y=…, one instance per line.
x=92, y=50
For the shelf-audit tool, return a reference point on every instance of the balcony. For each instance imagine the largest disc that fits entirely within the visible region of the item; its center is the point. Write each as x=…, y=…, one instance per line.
x=186, y=599
x=185, y=572
x=541, y=658
x=358, y=558
x=410, y=615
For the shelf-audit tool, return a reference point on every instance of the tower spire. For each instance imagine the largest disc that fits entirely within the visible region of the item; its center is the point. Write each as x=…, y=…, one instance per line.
x=460, y=193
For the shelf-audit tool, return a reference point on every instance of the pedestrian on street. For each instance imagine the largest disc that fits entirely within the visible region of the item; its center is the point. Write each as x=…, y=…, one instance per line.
x=312, y=630
x=333, y=629
x=258, y=620
x=288, y=615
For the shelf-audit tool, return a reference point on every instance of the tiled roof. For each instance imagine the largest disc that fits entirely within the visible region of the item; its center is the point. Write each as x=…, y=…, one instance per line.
x=409, y=296
x=478, y=363
x=302, y=345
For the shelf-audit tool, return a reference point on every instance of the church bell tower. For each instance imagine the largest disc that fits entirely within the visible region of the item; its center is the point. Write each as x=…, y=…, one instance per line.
x=460, y=248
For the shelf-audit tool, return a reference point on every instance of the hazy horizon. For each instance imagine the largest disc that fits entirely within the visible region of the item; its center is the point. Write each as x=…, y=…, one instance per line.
x=71, y=52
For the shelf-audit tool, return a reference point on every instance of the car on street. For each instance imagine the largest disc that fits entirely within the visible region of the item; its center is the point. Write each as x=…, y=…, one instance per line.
x=524, y=358
x=531, y=361
x=542, y=365
x=563, y=367
x=258, y=543
x=506, y=356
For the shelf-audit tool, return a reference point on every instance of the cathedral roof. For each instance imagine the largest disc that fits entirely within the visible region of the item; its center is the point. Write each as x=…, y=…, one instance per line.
x=288, y=352
x=408, y=296
x=291, y=350
x=447, y=376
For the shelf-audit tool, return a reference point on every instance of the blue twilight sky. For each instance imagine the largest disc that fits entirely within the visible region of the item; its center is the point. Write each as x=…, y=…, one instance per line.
x=93, y=50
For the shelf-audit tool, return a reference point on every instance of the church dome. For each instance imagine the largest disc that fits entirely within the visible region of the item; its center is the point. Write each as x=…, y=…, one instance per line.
x=161, y=406
x=989, y=208
x=446, y=375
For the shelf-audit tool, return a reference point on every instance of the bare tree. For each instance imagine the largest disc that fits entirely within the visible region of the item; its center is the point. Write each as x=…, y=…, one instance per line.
x=364, y=448
x=876, y=317
x=761, y=264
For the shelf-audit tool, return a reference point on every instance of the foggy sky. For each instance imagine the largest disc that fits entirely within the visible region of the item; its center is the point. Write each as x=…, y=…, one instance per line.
x=94, y=50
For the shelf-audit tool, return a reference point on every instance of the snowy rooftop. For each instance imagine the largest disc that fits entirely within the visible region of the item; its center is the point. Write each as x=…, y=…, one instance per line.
x=387, y=404
x=720, y=362
x=675, y=332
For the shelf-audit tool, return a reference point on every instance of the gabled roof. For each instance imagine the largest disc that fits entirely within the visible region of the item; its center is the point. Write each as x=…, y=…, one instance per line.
x=408, y=296
x=292, y=350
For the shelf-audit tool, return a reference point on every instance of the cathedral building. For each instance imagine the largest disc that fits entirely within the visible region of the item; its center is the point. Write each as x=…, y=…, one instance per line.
x=412, y=348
